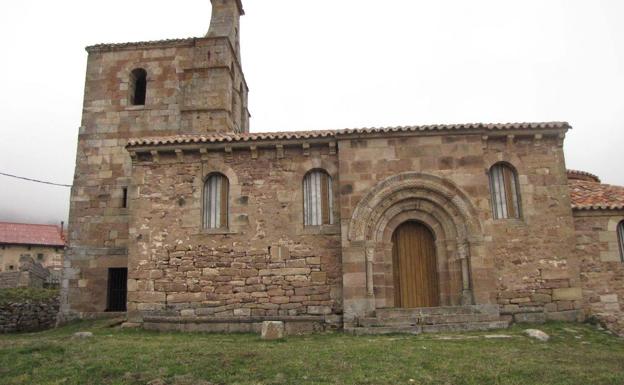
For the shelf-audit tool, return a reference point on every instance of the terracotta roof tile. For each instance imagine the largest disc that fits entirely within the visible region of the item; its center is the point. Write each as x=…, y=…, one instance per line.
x=588, y=195
x=29, y=234
x=150, y=43
x=288, y=135
x=582, y=175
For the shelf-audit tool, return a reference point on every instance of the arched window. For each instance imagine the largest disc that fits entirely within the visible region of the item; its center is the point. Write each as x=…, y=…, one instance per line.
x=317, y=199
x=620, y=231
x=138, y=86
x=505, y=192
x=216, y=192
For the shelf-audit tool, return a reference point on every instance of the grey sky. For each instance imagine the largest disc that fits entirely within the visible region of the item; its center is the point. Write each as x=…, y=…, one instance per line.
x=327, y=64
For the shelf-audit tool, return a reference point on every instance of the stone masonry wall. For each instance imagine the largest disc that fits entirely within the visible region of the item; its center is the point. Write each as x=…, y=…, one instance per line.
x=29, y=315
x=265, y=264
x=537, y=276
x=602, y=272
x=193, y=86
x=525, y=263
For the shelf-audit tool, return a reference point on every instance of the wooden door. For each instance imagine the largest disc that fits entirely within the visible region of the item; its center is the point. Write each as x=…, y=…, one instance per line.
x=414, y=265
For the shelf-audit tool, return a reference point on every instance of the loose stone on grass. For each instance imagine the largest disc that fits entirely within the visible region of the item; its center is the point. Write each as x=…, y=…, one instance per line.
x=537, y=334
x=83, y=335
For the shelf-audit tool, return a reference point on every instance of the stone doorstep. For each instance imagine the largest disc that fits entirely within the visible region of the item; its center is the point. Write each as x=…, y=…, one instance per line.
x=427, y=320
x=433, y=311
x=440, y=328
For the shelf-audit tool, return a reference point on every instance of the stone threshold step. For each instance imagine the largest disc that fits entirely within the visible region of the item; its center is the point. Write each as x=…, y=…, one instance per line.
x=442, y=310
x=440, y=328
x=428, y=320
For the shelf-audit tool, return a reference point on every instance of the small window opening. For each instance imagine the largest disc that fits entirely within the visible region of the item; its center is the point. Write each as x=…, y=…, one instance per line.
x=40, y=257
x=138, y=87
x=11, y=267
x=124, y=198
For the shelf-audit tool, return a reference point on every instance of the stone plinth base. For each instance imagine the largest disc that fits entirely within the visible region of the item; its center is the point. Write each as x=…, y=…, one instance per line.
x=292, y=325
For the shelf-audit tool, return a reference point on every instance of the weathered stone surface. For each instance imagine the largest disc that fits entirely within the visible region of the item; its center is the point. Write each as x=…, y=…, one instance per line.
x=28, y=316
x=272, y=330
x=530, y=317
x=537, y=334
x=567, y=294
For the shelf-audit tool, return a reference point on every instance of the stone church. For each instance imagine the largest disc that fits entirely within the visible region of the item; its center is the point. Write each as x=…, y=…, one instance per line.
x=183, y=219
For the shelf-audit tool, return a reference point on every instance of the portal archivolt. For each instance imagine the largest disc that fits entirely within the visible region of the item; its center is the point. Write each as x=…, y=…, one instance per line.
x=441, y=208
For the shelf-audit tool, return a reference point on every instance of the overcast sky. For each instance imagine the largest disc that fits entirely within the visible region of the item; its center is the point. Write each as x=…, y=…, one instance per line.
x=321, y=64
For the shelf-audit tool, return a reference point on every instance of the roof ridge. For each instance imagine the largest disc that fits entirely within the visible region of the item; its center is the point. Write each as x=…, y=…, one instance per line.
x=305, y=134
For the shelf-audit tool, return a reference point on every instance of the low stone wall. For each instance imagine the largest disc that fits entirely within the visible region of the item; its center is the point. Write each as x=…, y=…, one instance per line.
x=28, y=315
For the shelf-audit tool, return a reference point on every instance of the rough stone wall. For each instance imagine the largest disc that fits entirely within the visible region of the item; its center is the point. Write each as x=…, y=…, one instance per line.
x=193, y=86
x=266, y=264
x=520, y=264
x=28, y=315
x=601, y=269
x=537, y=278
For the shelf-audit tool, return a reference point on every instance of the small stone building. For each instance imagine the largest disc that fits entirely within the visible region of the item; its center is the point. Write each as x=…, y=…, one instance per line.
x=30, y=247
x=186, y=220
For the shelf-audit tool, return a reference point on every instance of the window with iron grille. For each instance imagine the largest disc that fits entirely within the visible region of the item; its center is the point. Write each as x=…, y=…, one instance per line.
x=620, y=230
x=215, y=210
x=505, y=191
x=317, y=198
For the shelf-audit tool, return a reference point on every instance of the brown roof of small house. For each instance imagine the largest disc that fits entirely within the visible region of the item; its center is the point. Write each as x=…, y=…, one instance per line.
x=294, y=135
x=31, y=234
x=587, y=193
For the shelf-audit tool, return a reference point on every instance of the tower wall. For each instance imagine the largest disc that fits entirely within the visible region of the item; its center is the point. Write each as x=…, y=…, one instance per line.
x=194, y=86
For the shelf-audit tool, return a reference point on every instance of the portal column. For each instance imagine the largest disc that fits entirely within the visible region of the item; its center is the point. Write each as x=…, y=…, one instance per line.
x=463, y=256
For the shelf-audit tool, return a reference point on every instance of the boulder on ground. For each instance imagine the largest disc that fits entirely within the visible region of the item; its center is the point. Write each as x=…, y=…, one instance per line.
x=537, y=334
x=272, y=330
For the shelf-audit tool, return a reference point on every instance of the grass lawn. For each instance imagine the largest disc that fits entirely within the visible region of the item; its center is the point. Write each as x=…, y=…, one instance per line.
x=576, y=354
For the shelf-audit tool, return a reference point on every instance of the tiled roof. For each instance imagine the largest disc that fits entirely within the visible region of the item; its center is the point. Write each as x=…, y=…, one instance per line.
x=589, y=195
x=151, y=43
x=293, y=135
x=582, y=175
x=28, y=234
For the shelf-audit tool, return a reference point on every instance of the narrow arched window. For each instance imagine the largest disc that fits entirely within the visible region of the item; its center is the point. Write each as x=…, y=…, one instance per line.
x=138, y=87
x=317, y=198
x=215, y=211
x=505, y=192
x=620, y=231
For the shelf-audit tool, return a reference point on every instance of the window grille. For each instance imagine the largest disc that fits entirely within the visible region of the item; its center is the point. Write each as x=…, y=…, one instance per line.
x=317, y=199
x=215, y=213
x=505, y=193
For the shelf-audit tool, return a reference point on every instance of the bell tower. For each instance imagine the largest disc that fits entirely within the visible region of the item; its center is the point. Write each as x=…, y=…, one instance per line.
x=215, y=91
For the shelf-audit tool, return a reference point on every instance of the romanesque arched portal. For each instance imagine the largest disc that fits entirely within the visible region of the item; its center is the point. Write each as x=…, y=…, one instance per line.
x=424, y=198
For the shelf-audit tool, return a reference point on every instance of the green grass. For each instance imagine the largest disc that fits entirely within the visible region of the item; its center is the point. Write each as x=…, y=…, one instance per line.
x=24, y=293
x=576, y=354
